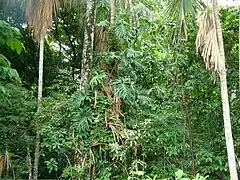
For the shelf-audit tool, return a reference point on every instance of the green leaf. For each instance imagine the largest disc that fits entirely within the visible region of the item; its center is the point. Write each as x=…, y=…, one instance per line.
x=3, y=90
x=15, y=45
x=179, y=174
x=2, y=40
x=4, y=61
x=18, y=47
x=10, y=43
x=10, y=36
x=138, y=173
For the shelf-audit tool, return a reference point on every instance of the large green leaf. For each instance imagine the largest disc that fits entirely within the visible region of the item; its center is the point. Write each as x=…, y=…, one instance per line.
x=10, y=36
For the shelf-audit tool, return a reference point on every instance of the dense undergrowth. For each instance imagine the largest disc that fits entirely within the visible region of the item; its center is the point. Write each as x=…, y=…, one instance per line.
x=130, y=122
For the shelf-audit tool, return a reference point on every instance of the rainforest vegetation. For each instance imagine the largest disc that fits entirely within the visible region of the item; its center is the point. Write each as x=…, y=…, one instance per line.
x=119, y=89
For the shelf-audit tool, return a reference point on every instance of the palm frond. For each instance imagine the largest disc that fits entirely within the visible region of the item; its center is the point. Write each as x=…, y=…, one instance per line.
x=207, y=42
x=39, y=15
x=180, y=9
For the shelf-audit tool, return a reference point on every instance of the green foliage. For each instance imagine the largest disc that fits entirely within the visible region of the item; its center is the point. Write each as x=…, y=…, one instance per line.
x=62, y=83
x=130, y=123
x=10, y=37
x=7, y=73
x=17, y=107
x=97, y=79
x=4, y=61
x=16, y=117
x=77, y=172
x=68, y=120
x=52, y=165
x=180, y=175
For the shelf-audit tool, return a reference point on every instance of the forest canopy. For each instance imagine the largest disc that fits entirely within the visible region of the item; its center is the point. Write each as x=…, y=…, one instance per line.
x=114, y=89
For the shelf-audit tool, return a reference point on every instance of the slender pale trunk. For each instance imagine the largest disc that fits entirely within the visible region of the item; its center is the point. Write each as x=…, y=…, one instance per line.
x=40, y=70
x=87, y=54
x=227, y=127
x=40, y=87
x=112, y=17
x=239, y=51
x=225, y=101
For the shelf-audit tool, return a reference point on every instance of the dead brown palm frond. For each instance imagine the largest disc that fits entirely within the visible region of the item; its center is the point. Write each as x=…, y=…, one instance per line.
x=207, y=42
x=39, y=15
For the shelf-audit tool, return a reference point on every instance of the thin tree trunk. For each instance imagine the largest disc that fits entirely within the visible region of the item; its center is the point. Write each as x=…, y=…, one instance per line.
x=29, y=164
x=225, y=101
x=87, y=54
x=190, y=133
x=112, y=17
x=227, y=127
x=40, y=71
x=36, y=156
x=239, y=51
x=187, y=122
x=40, y=85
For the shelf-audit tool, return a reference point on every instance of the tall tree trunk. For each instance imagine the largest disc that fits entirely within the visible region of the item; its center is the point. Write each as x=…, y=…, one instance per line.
x=40, y=87
x=87, y=54
x=225, y=101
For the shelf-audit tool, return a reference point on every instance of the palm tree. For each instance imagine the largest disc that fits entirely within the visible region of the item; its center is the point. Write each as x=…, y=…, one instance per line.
x=224, y=94
x=39, y=15
x=210, y=43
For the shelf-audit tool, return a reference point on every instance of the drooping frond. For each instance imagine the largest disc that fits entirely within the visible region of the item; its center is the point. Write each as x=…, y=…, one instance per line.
x=180, y=9
x=39, y=15
x=207, y=42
